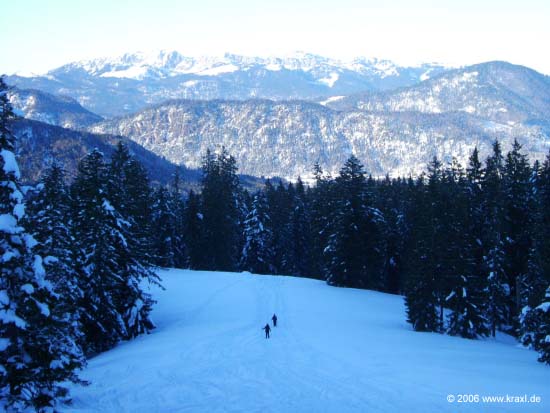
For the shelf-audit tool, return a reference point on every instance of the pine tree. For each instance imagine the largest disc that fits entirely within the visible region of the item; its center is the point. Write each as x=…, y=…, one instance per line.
x=518, y=211
x=497, y=285
x=421, y=298
x=497, y=289
x=37, y=344
x=130, y=193
x=221, y=211
x=321, y=201
x=300, y=232
x=257, y=254
x=537, y=278
x=96, y=232
x=49, y=217
x=193, y=232
x=280, y=209
x=177, y=203
x=466, y=318
x=355, y=247
x=390, y=201
x=437, y=205
x=463, y=278
x=115, y=307
x=476, y=218
x=128, y=186
x=164, y=222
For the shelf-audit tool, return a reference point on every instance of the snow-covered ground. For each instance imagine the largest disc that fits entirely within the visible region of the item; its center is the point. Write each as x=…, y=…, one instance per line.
x=334, y=350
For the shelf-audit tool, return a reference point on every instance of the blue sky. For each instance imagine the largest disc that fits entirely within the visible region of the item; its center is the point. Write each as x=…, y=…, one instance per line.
x=43, y=34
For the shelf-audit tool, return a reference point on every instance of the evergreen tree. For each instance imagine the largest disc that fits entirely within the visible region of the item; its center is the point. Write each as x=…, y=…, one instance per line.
x=392, y=206
x=476, y=217
x=533, y=284
x=257, y=254
x=49, y=217
x=178, y=207
x=37, y=343
x=164, y=223
x=130, y=193
x=463, y=277
x=466, y=318
x=221, y=211
x=518, y=210
x=193, y=232
x=355, y=247
x=497, y=285
x=115, y=307
x=321, y=200
x=300, y=230
x=497, y=289
x=130, y=180
x=421, y=298
x=280, y=210
x=437, y=204
x=93, y=222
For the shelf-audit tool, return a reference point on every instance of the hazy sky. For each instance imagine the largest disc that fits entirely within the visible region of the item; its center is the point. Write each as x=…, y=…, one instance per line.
x=38, y=35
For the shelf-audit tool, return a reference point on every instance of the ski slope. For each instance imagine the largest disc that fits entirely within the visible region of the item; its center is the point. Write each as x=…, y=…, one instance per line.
x=334, y=350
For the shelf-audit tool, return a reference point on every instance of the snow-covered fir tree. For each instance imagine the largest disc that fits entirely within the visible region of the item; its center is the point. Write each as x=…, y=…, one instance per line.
x=462, y=278
x=130, y=193
x=221, y=211
x=178, y=206
x=467, y=318
x=421, y=299
x=392, y=207
x=115, y=307
x=354, y=250
x=164, y=235
x=300, y=232
x=280, y=207
x=38, y=349
x=518, y=213
x=321, y=204
x=257, y=254
x=497, y=288
x=193, y=232
x=535, y=282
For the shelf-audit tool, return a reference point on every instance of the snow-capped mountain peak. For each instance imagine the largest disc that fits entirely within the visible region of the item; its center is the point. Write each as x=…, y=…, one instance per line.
x=169, y=63
x=124, y=84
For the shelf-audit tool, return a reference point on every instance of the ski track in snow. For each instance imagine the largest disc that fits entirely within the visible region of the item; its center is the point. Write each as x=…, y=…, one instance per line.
x=334, y=350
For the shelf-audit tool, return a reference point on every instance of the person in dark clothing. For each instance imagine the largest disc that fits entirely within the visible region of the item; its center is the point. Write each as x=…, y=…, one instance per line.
x=274, y=318
x=267, y=330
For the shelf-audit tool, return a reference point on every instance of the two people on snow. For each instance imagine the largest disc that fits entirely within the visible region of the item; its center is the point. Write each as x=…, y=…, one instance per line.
x=267, y=329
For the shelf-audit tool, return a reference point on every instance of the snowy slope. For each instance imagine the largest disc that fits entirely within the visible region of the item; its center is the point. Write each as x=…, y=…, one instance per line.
x=335, y=350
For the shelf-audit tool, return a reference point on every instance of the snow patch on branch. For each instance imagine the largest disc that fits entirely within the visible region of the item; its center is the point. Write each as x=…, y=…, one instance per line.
x=10, y=163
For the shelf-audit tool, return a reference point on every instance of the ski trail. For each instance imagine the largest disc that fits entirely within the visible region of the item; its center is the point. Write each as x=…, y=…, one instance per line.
x=334, y=350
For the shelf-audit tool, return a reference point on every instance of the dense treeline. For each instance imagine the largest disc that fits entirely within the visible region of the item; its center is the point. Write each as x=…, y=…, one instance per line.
x=469, y=248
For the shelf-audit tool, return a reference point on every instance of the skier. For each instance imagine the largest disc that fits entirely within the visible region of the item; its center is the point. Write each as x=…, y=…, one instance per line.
x=267, y=330
x=274, y=318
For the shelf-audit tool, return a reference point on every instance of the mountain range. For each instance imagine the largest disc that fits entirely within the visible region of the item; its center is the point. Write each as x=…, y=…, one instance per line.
x=286, y=138
x=395, y=124
x=125, y=84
